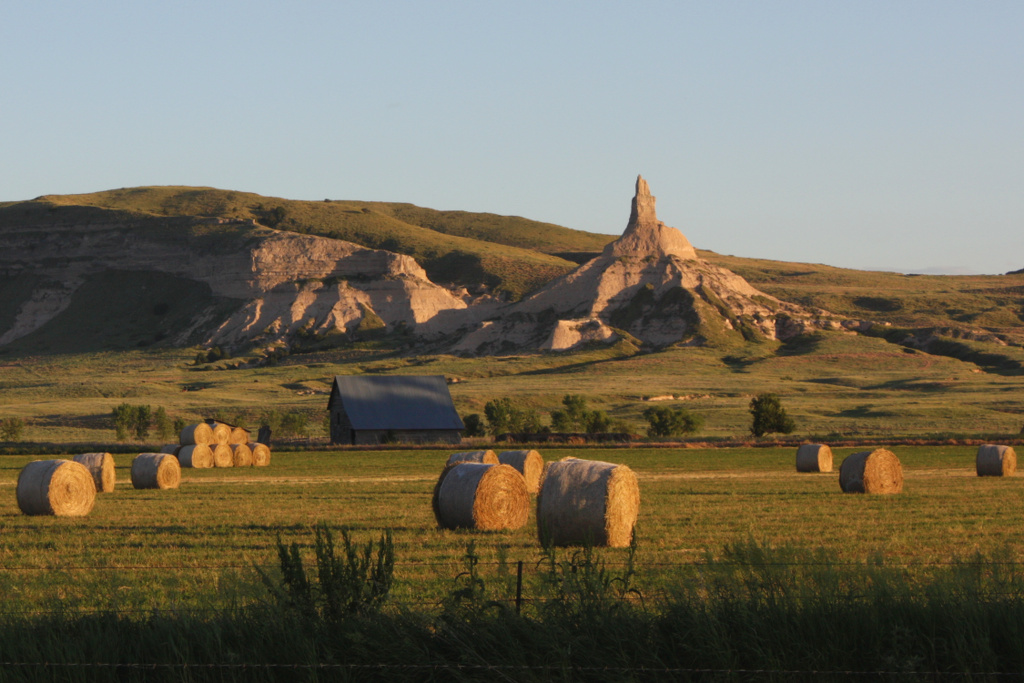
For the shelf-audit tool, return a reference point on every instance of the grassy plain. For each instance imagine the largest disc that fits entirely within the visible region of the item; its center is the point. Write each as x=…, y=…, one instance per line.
x=838, y=385
x=197, y=547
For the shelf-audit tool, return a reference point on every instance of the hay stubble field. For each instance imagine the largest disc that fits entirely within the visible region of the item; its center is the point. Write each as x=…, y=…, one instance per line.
x=199, y=547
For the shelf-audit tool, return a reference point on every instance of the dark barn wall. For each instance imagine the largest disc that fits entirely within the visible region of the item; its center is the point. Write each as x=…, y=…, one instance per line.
x=341, y=427
x=379, y=436
x=342, y=433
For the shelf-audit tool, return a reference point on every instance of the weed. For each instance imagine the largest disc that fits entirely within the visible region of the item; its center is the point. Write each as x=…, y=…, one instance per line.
x=358, y=582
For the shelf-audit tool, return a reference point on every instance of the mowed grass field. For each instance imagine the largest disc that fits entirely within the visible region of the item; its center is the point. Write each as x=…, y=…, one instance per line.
x=199, y=547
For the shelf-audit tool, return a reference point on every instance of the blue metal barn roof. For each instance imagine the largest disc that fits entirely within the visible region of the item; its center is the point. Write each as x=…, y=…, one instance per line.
x=396, y=402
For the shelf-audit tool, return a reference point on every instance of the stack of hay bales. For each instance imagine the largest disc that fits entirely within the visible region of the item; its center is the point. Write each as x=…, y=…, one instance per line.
x=216, y=444
x=877, y=471
x=530, y=464
x=101, y=467
x=156, y=471
x=814, y=457
x=995, y=461
x=587, y=502
x=56, y=487
x=481, y=496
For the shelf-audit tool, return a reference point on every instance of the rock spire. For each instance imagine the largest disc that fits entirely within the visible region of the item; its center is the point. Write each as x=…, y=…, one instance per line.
x=645, y=235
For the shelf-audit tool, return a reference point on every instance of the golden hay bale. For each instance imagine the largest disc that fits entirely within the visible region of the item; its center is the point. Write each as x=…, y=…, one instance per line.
x=529, y=463
x=877, y=471
x=198, y=456
x=587, y=502
x=155, y=471
x=260, y=454
x=996, y=461
x=56, y=487
x=101, y=467
x=201, y=433
x=813, y=457
x=223, y=456
x=241, y=455
x=481, y=496
x=172, y=448
x=238, y=436
x=488, y=457
x=221, y=432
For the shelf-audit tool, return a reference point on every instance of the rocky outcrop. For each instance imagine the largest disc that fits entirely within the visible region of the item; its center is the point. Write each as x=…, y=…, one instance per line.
x=649, y=283
x=282, y=282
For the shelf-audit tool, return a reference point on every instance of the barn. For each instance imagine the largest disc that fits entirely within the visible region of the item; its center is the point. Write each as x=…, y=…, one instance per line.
x=394, y=408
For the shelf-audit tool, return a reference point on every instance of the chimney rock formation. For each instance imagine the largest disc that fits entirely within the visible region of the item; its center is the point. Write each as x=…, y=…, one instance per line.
x=645, y=235
x=649, y=283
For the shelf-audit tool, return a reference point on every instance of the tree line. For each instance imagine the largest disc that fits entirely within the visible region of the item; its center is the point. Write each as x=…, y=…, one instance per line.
x=503, y=416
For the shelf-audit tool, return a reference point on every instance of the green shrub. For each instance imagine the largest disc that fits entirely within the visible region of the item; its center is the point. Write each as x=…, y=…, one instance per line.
x=664, y=421
x=504, y=417
x=11, y=428
x=474, y=425
x=769, y=416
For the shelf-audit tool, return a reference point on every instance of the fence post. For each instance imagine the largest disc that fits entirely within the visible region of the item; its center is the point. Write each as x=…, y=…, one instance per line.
x=519, y=587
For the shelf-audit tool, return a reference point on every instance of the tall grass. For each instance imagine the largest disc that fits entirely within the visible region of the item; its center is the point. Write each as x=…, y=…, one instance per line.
x=751, y=611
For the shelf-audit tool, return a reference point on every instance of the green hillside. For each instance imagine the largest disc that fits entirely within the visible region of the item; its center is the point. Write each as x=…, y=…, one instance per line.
x=993, y=303
x=507, y=254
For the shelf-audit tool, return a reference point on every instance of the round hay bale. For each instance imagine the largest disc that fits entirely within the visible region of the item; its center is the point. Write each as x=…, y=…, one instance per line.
x=223, y=456
x=221, y=432
x=198, y=456
x=813, y=457
x=155, y=471
x=996, y=461
x=260, y=454
x=201, y=433
x=585, y=502
x=238, y=436
x=56, y=487
x=101, y=467
x=487, y=456
x=241, y=455
x=481, y=496
x=529, y=463
x=877, y=471
x=171, y=448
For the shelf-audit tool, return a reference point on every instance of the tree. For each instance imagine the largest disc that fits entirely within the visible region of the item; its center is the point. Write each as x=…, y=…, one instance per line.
x=294, y=424
x=140, y=424
x=11, y=428
x=576, y=417
x=474, y=425
x=500, y=415
x=769, y=416
x=665, y=421
x=124, y=420
x=598, y=422
x=163, y=424
x=503, y=417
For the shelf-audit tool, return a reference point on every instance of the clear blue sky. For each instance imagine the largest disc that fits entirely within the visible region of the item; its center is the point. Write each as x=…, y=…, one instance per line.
x=867, y=134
